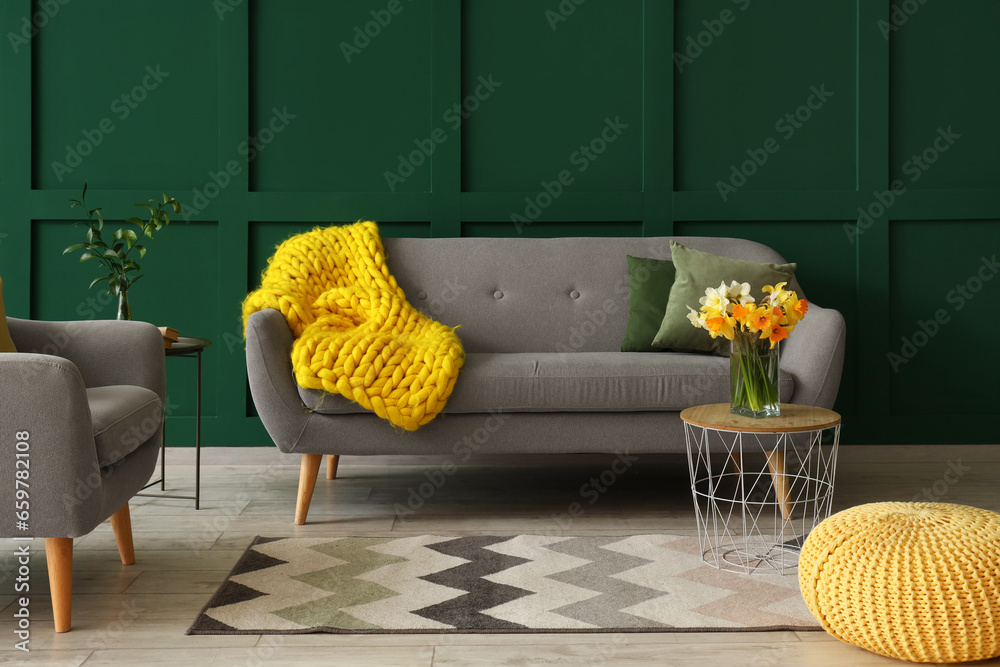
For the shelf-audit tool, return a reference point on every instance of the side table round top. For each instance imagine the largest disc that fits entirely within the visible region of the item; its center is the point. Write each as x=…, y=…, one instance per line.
x=792, y=418
x=186, y=345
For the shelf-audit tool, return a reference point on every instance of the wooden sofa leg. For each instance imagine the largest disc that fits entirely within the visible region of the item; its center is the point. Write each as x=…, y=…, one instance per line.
x=307, y=482
x=782, y=489
x=121, y=523
x=59, y=559
x=332, y=461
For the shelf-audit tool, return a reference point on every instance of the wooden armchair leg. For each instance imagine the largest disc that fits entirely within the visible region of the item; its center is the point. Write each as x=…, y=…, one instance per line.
x=307, y=482
x=121, y=523
x=332, y=461
x=59, y=559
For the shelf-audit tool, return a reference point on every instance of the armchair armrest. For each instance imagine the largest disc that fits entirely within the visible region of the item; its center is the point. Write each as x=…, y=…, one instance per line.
x=272, y=380
x=96, y=348
x=44, y=397
x=814, y=356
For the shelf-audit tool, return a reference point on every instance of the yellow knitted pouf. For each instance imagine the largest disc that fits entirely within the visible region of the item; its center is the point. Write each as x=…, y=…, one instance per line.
x=914, y=581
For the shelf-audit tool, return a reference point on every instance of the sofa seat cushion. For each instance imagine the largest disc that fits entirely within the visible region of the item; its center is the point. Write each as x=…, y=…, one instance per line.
x=576, y=382
x=123, y=417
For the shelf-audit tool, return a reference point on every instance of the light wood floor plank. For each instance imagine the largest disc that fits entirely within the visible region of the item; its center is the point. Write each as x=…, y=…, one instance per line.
x=620, y=651
x=41, y=658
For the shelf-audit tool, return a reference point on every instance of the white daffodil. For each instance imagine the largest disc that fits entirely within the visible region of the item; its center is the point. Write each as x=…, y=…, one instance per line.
x=695, y=318
x=715, y=299
x=779, y=295
x=740, y=293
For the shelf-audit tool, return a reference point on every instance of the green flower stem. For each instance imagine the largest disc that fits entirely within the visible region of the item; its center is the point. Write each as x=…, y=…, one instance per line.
x=754, y=372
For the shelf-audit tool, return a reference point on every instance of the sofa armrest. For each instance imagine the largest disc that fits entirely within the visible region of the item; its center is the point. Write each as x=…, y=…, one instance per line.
x=98, y=349
x=814, y=356
x=45, y=397
x=272, y=379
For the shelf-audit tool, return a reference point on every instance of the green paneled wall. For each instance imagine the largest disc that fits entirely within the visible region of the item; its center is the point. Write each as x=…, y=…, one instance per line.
x=747, y=86
x=774, y=121
x=556, y=88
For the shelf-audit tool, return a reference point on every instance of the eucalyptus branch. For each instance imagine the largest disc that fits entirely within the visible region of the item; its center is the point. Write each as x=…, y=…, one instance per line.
x=115, y=258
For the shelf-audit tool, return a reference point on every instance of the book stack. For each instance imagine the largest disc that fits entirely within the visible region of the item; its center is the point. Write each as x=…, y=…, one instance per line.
x=169, y=336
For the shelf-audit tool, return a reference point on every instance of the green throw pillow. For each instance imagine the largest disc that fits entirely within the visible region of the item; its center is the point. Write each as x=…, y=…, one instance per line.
x=649, y=282
x=697, y=270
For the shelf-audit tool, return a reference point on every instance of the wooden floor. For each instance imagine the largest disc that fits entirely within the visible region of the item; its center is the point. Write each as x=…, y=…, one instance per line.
x=137, y=615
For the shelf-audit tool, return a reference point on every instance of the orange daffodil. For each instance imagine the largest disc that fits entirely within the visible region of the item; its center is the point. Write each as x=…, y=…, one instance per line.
x=726, y=310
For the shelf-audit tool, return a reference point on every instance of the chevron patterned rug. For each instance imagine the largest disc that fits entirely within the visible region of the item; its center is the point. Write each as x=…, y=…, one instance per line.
x=489, y=584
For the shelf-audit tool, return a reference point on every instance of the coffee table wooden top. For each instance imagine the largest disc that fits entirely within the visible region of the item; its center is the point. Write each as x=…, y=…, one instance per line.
x=792, y=418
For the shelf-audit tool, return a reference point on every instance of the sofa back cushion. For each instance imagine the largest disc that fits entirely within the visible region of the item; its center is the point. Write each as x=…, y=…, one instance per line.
x=537, y=295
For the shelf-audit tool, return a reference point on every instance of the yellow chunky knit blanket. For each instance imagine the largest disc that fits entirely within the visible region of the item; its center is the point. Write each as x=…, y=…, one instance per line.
x=356, y=335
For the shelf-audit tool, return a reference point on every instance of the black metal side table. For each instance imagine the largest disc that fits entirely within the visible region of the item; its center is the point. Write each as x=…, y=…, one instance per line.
x=190, y=348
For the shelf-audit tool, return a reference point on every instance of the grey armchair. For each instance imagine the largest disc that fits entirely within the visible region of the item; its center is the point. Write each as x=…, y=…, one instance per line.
x=81, y=420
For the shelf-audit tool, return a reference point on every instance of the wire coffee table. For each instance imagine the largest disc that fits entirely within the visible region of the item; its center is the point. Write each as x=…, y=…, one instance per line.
x=760, y=485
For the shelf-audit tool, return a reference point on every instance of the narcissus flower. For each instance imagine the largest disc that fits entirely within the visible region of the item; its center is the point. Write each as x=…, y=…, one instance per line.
x=739, y=293
x=759, y=320
x=733, y=313
x=778, y=294
x=777, y=334
x=715, y=299
x=727, y=310
x=695, y=318
x=740, y=313
x=719, y=325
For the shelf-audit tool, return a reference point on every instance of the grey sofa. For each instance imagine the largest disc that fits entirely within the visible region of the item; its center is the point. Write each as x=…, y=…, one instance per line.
x=541, y=321
x=87, y=399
